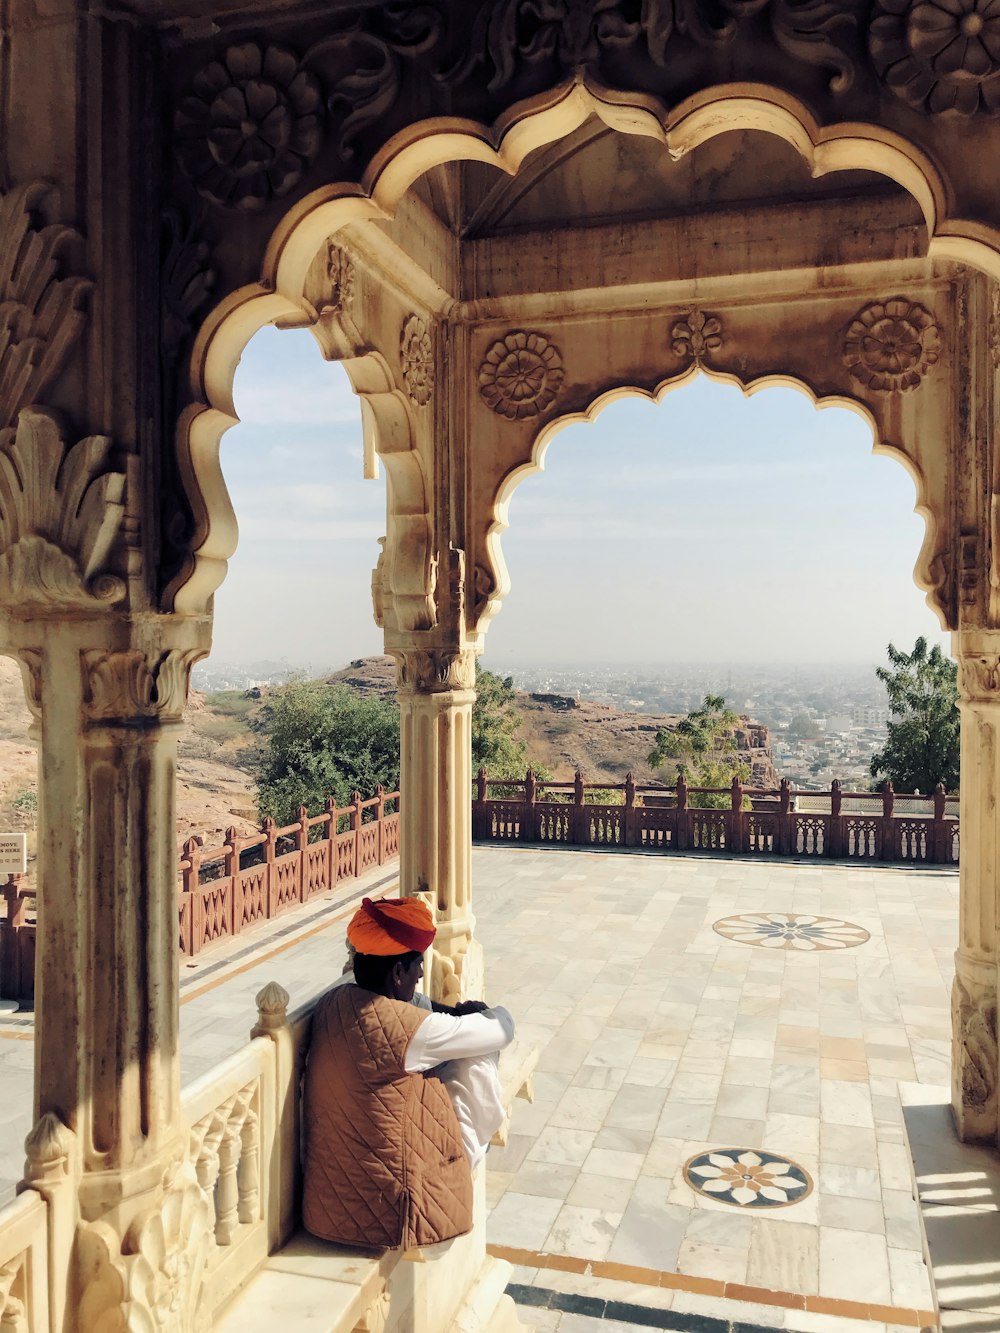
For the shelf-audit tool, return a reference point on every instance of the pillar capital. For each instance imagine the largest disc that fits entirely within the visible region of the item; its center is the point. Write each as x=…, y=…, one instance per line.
x=978, y=655
x=435, y=670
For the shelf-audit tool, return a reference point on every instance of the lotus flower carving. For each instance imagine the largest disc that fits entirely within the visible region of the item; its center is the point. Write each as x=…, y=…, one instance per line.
x=891, y=344
x=521, y=375
x=940, y=54
x=251, y=126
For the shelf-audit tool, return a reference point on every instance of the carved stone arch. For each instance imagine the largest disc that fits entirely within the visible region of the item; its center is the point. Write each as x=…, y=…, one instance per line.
x=931, y=569
x=505, y=143
x=404, y=582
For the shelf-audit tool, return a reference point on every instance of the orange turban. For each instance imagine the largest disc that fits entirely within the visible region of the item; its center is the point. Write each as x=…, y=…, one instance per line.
x=392, y=925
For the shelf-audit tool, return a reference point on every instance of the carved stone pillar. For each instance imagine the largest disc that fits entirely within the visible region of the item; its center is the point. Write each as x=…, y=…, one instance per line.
x=106, y=1037
x=975, y=1066
x=436, y=694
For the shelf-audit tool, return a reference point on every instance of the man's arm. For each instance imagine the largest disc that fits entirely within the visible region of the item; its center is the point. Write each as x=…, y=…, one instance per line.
x=442, y=1037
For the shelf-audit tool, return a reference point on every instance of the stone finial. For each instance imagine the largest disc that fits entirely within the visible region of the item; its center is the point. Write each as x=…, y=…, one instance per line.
x=47, y=1147
x=272, y=1005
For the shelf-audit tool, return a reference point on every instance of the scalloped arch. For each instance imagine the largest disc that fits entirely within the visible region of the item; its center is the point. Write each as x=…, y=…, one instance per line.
x=923, y=568
x=525, y=126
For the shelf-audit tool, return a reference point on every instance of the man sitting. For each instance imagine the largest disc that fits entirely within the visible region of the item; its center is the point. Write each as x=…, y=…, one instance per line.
x=400, y=1101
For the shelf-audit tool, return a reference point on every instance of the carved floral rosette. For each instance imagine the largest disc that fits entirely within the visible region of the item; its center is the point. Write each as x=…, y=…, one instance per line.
x=416, y=359
x=521, y=375
x=890, y=345
x=939, y=55
x=340, y=277
x=251, y=126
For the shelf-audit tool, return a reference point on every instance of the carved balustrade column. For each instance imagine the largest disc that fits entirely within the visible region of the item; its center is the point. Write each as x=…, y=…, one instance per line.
x=975, y=1063
x=436, y=695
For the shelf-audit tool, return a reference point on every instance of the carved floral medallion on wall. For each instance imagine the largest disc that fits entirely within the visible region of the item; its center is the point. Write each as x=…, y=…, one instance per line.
x=250, y=127
x=697, y=336
x=940, y=54
x=416, y=357
x=521, y=375
x=890, y=345
x=340, y=275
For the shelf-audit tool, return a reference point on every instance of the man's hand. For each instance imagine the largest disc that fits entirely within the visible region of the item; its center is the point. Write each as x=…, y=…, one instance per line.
x=460, y=1010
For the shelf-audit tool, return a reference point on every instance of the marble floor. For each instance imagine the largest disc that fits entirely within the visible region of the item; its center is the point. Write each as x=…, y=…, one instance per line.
x=715, y=1110
x=778, y=1039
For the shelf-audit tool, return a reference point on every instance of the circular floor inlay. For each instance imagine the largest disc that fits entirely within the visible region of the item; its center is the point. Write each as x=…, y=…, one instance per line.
x=748, y=1178
x=791, y=930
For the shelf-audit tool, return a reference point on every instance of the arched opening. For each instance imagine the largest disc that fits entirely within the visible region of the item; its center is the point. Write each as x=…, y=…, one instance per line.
x=469, y=255
x=306, y=229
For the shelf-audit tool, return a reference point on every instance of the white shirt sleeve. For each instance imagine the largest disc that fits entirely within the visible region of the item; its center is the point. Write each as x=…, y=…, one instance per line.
x=442, y=1037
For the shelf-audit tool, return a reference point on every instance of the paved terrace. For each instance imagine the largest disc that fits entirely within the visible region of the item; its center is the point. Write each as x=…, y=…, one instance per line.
x=664, y=1041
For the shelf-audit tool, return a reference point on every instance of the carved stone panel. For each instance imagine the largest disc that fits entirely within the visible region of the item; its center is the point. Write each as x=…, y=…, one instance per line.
x=130, y=684
x=416, y=357
x=41, y=298
x=249, y=128
x=521, y=375
x=60, y=511
x=890, y=345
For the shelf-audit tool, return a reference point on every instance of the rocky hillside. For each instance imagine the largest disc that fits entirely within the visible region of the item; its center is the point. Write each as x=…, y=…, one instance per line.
x=565, y=734
x=215, y=790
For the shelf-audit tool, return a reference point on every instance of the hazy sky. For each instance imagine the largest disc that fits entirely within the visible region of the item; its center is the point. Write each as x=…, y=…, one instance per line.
x=711, y=527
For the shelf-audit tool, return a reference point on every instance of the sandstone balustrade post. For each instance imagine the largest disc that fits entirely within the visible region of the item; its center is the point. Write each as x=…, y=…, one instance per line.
x=479, y=806
x=580, y=830
x=683, y=815
x=974, y=994
x=301, y=844
x=529, y=815
x=15, y=912
x=268, y=828
x=786, y=819
x=836, y=843
x=737, y=839
x=356, y=826
x=887, y=832
x=231, y=864
x=189, y=893
x=330, y=810
x=629, y=838
x=380, y=818
x=192, y=885
x=938, y=851
x=436, y=694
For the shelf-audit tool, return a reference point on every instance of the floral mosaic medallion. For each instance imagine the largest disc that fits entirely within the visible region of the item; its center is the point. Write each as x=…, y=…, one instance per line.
x=747, y=1178
x=791, y=930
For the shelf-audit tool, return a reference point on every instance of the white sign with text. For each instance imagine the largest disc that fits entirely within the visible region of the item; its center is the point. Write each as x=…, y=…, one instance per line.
x=13, y=854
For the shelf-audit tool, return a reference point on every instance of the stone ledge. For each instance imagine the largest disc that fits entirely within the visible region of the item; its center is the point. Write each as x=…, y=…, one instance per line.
x=957, y=1188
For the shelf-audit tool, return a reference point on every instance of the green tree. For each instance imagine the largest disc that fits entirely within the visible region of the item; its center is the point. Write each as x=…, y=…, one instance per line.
x=921, y=747
x=702, y=749
x=322, y=741
x=495, y=720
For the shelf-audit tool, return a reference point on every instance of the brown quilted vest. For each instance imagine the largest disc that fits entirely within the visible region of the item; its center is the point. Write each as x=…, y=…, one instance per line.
x=384, y=1161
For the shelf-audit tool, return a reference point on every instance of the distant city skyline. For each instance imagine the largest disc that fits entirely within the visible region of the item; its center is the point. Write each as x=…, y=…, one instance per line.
x=710, y=528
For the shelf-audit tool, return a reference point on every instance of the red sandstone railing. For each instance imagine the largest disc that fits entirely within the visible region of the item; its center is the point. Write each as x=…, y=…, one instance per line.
x=257, y=877
x=225, y=890
x=757, y=822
